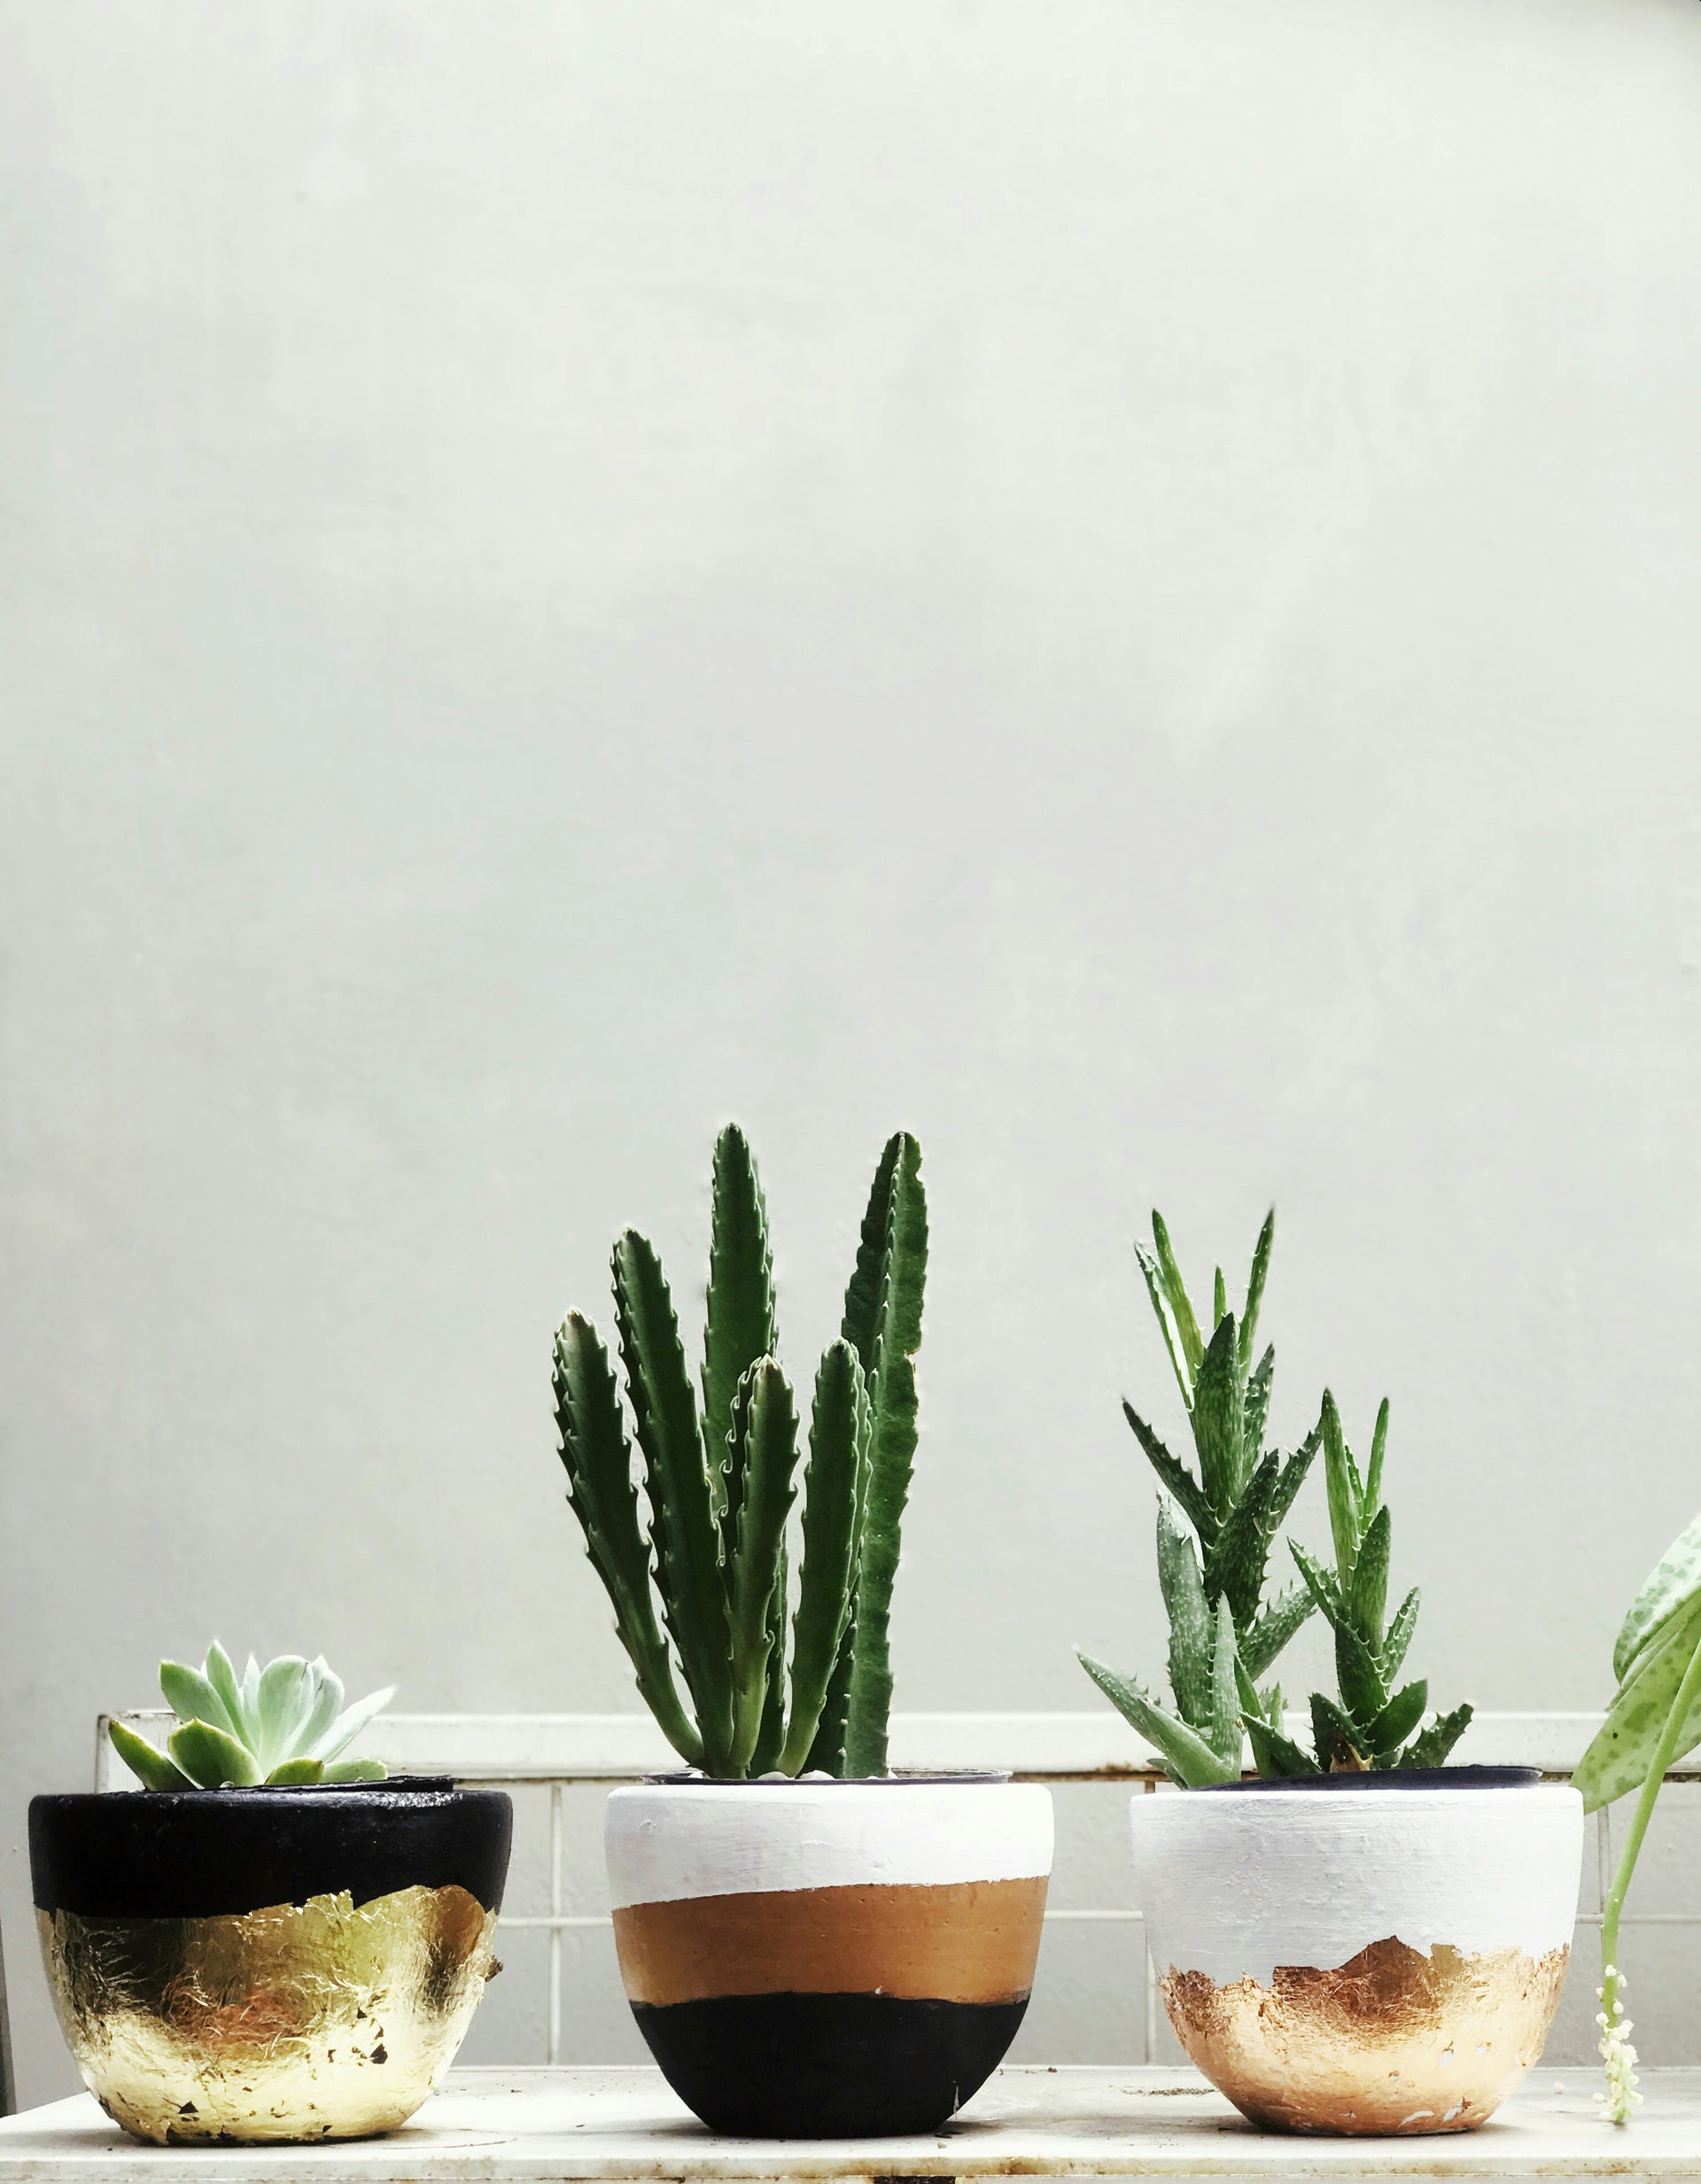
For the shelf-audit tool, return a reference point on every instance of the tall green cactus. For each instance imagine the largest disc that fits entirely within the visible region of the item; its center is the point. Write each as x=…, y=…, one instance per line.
x=1368, y=1725
x=1221, y=1632
x=720, y=1484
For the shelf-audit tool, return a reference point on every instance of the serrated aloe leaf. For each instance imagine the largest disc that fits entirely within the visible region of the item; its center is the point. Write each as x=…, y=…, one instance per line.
x=1378, y=1449
x=1286, y=1613
x=1398, y=1638
x=1255, y=1288
x=222, y=1676
x=765, y=1440
x=1219, y=1419
x=684, y=1523
x=357, y=1770
x=1397, y=1720
x=1192, y=1626
x=1293, y=1475
x=1257, y=1402
x=598, y=1463
x=293, y=1773
x=829, y=1534
x=1623, y=1749
x=1175, y=1290
x=893, y=1257
x=1274, y=1755
x=1224, y=1739
x=1234, y=1567
x=1320, y=1583
x=1437, y=1741
x=350, y=1722
x=1184, y=1750
x=1364, y=1687
x=1172, y=1340
x=212, y=1757
x=1219, y=1299
x=152, y=1768
x=1176, y=1476
x=1671, y=1586
x=739, y=1325
x=193, y=1697
x=1369, y=1594
x=283, y=1703
x=1337, y=1738
x=1342, y=1479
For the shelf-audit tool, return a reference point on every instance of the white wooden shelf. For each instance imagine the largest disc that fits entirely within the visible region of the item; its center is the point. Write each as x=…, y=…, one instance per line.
x=606, y=2126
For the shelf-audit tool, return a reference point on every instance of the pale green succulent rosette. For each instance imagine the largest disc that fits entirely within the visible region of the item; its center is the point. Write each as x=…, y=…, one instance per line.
x=283, y=1725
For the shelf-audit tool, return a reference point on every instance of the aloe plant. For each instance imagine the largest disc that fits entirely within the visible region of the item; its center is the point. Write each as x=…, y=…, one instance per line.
x=701, y=1594
x=1654, y=1718
x=1223, y=1634
x=1368, y=1725
x=282, y=1724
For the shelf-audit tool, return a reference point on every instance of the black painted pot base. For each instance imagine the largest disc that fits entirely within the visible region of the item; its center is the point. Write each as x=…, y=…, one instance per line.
x=826, y=2066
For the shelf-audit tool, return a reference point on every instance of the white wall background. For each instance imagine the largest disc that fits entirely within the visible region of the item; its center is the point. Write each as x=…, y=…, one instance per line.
x=1114, y=584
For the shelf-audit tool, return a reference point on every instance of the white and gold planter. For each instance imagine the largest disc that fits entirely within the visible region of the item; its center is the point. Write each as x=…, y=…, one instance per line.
x=1362, y=1956
x=828, y=1959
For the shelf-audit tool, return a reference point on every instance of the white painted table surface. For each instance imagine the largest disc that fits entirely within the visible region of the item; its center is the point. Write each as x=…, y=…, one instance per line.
x=530, y=2127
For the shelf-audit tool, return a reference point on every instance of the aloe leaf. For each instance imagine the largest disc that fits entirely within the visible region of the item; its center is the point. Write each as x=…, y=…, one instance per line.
x=1175, y=1475
x=683, y=1520
x=1672, y=1583
x=829, y=1532
x=1257, y=1400
x=222, y=1676
x=1255, y=1288
x=1219, y=1299
x=1172, y=1340
x=765, y=1440
x=193, y=1697
x=1336, y=1737
x=739, y=1326
x=350, y=1722
x=1438, y=1740
x=283, y=1698
x=1378, y=1447
x=1619, y=1758
x=1342, y=1479
x=1364, y=1687
x=152, y=1768
x=1224, y=1739
x=1219, y=1419
x=1294, y=1477
x=1274, y=1755
x=1285, y=1614
x=357, y=1770
x=1191, y=1625
x=1399, y=1638
x=1192, y=1345
x=1369, y=1598
x=1397, y=1720
x=212, y=1757
x=598, y=1463
x=1234, y=1567
x=289, y=1774
x=892, y=1261
x=1320, y=1583
x=1185, y=1752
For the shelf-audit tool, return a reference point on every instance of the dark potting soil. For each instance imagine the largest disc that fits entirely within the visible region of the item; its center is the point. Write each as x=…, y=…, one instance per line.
x=203, y=1854
x=826, y=2066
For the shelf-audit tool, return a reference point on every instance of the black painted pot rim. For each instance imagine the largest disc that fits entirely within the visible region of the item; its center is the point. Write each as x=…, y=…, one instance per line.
x=1480, y=1778
x=965, y=1777
x=270, y=1792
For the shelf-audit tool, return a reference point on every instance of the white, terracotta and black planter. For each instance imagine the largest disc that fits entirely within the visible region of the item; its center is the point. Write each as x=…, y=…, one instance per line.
x=267, y=1964
x=1363, y=1953
x=828, y=1959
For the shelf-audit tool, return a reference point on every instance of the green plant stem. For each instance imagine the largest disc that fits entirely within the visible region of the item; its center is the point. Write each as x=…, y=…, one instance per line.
x=1663, y=1755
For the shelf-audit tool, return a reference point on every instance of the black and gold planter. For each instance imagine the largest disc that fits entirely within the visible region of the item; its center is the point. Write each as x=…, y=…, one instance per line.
x=268, y=1965
x=828, y=1959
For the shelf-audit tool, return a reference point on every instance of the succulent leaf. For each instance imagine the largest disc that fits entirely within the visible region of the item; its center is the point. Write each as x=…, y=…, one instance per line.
x=1378, y=1447
x=349, y=1723
x=1234, y=1567
x=1175, y=1290
x=1224, y=1739
x=1185, y=1754
x=683, y=1518
x=291, y=1773
x=1176, y=1476
x=830, y=1531
x=222, y=1676
x=598, y=1463
x=1342, y=1477
x=355, y=1770
x=1255, y=1289
x=212, y=1758
x=1430, y=1749
x=1192, y=1626
x=1369, y=1594
x=1166, y=1319
x=283, y=1701
x=739, y=1322
x=1671, y=1587
x=1389, y=1729
x=1398, y=1638
x=1219, y=1419
x=152, y=1768
x=882, y=1318
x=1284, y=1615
x=1219, y=1299
x=1337, y=1739
x=1257, y=1400
x=1274, y=1754
x=193, y=1697
x=764, y=1445
x=1619, y=1758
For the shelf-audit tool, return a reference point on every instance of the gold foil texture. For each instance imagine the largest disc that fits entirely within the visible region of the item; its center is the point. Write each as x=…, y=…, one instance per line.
x=1391, y=2042
x=320, y=2020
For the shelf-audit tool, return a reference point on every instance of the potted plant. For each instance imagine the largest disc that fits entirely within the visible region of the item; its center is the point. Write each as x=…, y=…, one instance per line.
x=268, y=1941
x=1654, y=1719
x=812, y=1947
x=1359, y=1939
